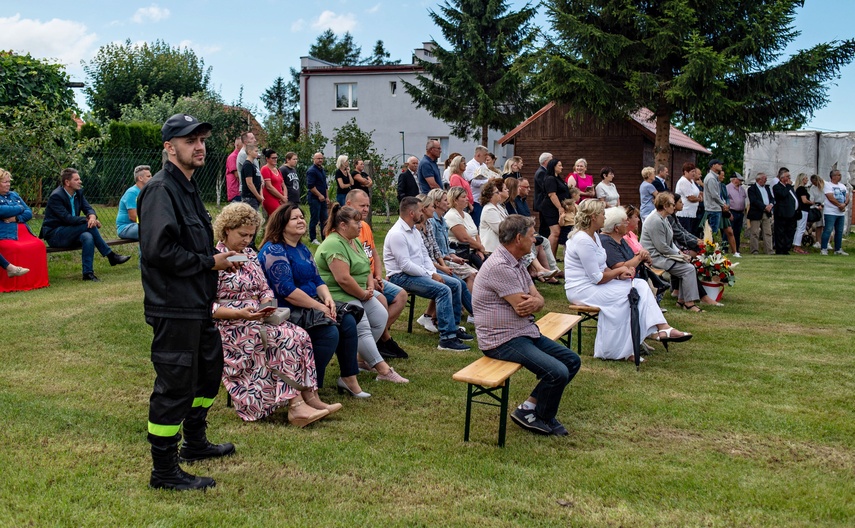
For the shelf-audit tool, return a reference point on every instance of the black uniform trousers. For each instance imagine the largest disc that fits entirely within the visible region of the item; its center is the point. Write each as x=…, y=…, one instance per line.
x=188, y=362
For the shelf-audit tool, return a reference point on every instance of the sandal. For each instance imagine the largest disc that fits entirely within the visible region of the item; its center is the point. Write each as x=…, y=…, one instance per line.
x=693, y=308
x=685, y=337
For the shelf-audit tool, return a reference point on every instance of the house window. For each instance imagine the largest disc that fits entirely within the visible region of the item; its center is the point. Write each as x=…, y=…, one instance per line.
x=393, y=86
x=345, y=95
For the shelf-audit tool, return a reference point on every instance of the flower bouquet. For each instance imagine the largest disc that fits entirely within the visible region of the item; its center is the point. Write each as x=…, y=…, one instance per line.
x=712, y=265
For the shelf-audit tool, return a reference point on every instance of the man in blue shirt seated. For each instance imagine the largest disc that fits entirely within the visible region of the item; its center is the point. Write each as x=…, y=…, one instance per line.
x=127, y=224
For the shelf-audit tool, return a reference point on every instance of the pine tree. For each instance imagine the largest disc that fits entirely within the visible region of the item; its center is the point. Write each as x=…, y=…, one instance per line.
x=714, y=63
x=380, y=56
x=342, y=51
x=475, y=85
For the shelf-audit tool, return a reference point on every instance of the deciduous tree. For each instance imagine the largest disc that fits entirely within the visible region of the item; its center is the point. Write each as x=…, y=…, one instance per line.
x=119, y=72
x=477, y=84
x=23, y=77
x=712, y=63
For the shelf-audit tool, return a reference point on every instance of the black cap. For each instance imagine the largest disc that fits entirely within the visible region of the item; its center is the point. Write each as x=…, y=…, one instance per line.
x=181, y=125
x=714, y=161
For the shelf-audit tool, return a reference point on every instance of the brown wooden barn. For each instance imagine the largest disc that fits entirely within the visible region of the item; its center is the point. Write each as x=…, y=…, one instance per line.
x=625, y=145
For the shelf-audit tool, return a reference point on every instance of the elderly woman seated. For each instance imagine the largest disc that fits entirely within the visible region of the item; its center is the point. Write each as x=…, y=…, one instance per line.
x=589, y=281
x=266, y=365
x=619, y=250
x=18, y=244
x=657, y=237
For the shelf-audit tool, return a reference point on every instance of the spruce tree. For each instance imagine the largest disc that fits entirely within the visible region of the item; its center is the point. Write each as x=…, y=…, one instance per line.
x=477, y=84
x=714, y=63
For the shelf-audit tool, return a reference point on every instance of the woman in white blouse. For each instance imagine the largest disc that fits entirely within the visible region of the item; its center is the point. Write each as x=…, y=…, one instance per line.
x=461, y=228
x=606, y=190
x=493, y=196
x=588, y=281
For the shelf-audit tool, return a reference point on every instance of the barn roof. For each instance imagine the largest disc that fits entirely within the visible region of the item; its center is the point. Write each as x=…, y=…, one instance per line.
x=642, y=117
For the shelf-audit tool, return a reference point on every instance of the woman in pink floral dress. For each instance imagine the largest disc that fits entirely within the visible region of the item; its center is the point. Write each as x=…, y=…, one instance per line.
x=267, y=366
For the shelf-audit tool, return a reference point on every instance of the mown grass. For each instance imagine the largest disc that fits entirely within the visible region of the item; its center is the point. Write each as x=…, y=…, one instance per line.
x=752, y=423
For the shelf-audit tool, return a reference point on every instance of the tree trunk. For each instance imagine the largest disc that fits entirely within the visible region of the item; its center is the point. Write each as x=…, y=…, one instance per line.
x=485, y=130
x=662, y=145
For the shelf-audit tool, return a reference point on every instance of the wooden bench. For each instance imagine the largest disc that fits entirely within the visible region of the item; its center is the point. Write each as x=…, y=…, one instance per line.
x=586, y=313
x=491, y=377
x=117, y=242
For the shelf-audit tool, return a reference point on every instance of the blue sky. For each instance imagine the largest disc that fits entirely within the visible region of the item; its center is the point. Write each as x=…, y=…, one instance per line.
x=251, y=44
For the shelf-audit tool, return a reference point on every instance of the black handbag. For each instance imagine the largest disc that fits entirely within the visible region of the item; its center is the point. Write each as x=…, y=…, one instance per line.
x=814, y=215
x=308, y=318
x=462, y=250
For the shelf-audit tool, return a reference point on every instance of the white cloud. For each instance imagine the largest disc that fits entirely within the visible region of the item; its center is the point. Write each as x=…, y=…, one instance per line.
x=200, y=49
x=338, y=23
x=67, y=41
x=298, y=25
x=374, y=9
x=152, y=13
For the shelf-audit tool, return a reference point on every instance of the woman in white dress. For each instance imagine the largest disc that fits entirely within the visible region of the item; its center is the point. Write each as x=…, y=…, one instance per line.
x=588, y=281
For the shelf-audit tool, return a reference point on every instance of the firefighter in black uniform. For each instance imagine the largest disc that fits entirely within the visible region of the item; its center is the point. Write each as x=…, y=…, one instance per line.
x=179, y=277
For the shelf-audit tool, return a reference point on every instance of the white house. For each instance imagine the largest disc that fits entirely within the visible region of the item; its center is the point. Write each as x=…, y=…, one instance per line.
x=331, y=95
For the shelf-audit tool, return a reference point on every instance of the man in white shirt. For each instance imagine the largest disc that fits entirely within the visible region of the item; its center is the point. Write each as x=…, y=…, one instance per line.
x=476, y=174
x=691, y=197
x=409, y=266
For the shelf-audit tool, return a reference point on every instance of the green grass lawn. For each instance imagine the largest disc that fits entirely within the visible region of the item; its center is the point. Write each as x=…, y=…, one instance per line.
x=752, y=423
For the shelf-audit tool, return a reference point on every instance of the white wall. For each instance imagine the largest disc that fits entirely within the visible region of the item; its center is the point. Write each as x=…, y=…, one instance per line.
x=386, y=114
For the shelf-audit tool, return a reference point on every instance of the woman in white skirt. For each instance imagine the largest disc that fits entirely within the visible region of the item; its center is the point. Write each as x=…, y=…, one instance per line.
x=588, y=281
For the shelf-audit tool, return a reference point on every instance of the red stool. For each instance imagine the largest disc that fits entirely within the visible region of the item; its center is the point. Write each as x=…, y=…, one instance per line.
x=26, y=252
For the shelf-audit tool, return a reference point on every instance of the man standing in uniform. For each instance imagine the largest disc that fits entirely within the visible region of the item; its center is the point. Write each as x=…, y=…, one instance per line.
x=179, y=277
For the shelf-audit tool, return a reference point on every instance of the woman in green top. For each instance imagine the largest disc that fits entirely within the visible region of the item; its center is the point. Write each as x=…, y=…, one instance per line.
x=345, y=268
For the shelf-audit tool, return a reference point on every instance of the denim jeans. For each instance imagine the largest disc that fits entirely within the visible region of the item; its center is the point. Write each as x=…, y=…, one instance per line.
x=446, y=295
x=714, y=219
x=130, y=232
x=553, y=364
x=341, y=341
x=88, y=238
x=465, y=294
x=833, y=223
x=317, y=214
x=390, y=291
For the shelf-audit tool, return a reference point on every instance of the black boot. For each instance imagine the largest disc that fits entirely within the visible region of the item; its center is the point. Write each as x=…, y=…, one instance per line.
x=166, y=473
x=196, y=445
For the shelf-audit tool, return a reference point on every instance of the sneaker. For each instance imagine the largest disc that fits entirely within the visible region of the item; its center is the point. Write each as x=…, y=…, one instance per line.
x=824, y=252
x=363, y=367
x=392, y=376
x=16, y=271
x=427, y=323
x=315, y=242
x=530, y=422
x=463, y=336
x=393, y=347
x=557, y=428
x=818, y=245
x=841, y=252
x=470, y=319
x=452, y=344
x=737, y=255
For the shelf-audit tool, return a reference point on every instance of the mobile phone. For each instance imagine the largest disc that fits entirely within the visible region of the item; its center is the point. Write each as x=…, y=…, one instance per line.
x=237, y=258
x=267, y=310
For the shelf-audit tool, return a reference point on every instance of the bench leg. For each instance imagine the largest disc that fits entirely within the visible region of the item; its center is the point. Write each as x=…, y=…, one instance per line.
x=468, y=412
x=503, y=413
x=579, y=338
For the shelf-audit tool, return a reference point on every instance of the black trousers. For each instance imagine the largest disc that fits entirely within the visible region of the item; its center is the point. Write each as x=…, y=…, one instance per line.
x=784, y=231
x=187, y=355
